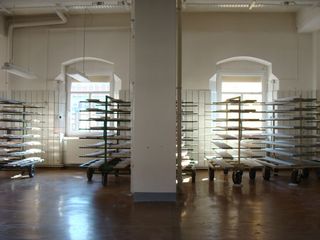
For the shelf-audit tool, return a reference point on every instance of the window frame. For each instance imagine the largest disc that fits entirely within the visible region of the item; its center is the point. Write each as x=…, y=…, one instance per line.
x=263, y=94
x=79, y=133
x=261, y=75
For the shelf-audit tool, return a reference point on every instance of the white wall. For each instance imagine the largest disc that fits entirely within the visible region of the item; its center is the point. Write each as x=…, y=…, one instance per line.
x=3, y=53
x=211, y=37
x=207, y=39
x=43, y=49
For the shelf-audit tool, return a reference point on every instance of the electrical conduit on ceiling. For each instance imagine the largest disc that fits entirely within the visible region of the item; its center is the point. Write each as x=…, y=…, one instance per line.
x=62, y=20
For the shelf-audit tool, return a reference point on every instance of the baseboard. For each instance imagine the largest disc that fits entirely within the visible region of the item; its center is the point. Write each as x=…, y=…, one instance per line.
x=154, y=197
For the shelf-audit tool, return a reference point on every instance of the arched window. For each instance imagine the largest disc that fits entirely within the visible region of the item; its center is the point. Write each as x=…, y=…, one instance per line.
x=86, y=78
x=249, y=77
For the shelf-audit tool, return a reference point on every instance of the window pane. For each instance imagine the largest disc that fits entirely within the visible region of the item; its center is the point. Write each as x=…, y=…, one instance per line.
x=241, y=87
x=257, y=97
x=99, y=96
x=75, y=107
x=90, y=87
x=225, y=96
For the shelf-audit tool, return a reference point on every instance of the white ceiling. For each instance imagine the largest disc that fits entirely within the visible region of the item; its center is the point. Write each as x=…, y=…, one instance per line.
x=32, y=7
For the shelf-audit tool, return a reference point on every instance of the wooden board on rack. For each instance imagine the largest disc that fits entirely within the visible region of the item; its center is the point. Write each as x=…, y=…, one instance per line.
x=288, y=118
x=295, y=99
x=225, y=155
x=252, y=163
x=222, y=145
x=23, y=162
x=119, y=128
x=250, y=145
x=97, y=153
x=235, y=128
x=24, y=153
x=13, y=120
x=282, y=151
x=287, y=136
x=276, y=161
x=227, y=136
x=13, y=136
x=290, y=144
x=221, y=163
x=236, y=120
x=122, y=164
x=252, y=137
x=290, y=127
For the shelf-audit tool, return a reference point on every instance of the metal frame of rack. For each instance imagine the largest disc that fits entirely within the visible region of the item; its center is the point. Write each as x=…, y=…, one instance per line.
x=113, y=153
x=189, y=120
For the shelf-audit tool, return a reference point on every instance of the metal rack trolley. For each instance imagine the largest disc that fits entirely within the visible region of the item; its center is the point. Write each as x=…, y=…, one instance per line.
x=112, y=155
x=291, y=137
x=18, y=150
x=246, y=148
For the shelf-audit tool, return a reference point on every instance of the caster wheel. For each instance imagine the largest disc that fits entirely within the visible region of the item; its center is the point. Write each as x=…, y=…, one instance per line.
x=305, y=173
x=252, y=174
x=296, y=176
x=225, y=171
x=266, y=173
x=31, y=171
x=104, y=179
x=237, y=176
x=211, y=174
x=193, y=176
x=90, y=172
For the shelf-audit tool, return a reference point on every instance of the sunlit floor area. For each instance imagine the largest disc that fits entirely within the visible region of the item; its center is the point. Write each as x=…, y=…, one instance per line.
x=60, y=204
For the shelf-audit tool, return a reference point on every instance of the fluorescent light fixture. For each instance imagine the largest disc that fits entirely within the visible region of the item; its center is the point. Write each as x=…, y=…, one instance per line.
x=21, y=72
x=102, y=5
x=240, y=5
x=105, y=6
x=78, y=76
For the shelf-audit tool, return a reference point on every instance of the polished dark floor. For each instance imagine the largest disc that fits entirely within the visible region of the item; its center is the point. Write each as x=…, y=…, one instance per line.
x=60, y=204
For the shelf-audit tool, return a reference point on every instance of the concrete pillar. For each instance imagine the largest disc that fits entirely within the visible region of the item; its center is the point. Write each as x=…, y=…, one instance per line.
x=154, y=120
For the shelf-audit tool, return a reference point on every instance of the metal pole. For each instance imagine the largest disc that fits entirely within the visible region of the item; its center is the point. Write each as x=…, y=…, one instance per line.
x=179, y=100
x=239, y=132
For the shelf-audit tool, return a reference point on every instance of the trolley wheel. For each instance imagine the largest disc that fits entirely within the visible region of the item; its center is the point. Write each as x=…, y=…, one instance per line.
x=252, y=174
x=266, y=173
x=104, y=179
x=296, y=176
x=193, y=176
x=225, y=171
x=31, y=171
x=237, y=176
x=305, y=173
x=90, y=172
x=211, y=174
